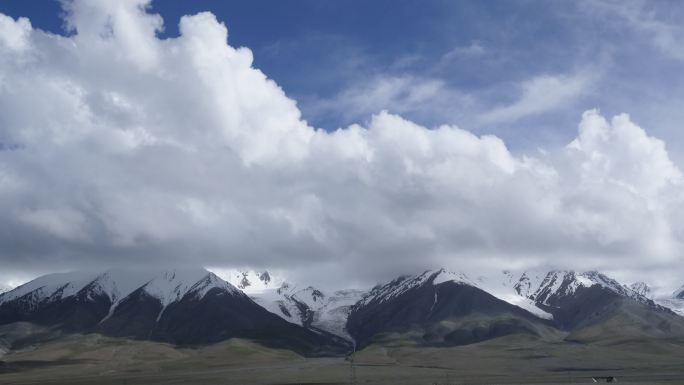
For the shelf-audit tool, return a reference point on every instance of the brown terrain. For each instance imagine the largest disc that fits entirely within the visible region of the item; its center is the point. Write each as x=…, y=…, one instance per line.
x=94, y=359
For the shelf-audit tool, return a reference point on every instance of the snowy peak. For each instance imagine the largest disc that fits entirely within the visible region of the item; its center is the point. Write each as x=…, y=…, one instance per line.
x=116, y=284
x=265, y=278
x=537, y=291
x=401, y=285
x=563, y=283
x=104, y=284
x=292, y=303
x=310, y=307
x=251, y=281
x=528, y=284
x=172, y=285
x=514, y=289
x=49, y=287
x=284, y=288
x=310, y=296
x=641, y=288
x=603, y=280
x=443, y=275
x=212, y=281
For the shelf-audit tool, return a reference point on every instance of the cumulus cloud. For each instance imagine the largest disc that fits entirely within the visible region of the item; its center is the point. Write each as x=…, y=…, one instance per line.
x=123, y=148
x=14, y=35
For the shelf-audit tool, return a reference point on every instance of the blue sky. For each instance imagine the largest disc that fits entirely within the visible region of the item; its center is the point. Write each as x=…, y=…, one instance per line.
x=467, y=57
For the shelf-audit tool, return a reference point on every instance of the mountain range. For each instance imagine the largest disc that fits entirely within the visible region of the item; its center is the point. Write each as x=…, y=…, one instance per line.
x=187, y=306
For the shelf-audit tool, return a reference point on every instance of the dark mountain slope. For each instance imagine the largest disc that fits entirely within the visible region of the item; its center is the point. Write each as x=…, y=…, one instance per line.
x=218, y=316
x=180, y=307
x=428, y=311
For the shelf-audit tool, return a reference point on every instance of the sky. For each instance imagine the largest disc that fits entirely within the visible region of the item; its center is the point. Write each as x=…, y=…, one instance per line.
x=354, y=140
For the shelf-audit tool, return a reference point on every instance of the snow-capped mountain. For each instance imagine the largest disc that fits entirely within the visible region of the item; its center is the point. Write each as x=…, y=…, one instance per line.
x=562, y=283
x=534, y=291
x=505, y=286
x=581, y=302
x=333, y=314
x=403, y=284
x=184, y=306
x=5, y=288
x=171, y=286
x=193, y=305
x=513, y=289
x=641, y=288
x=116, y=284
x=446, y=308
x=289, y=302
x=544, y=291
x=48, y=288
x=438, y=308
x=310, y=307
x=674, y=302
x=250, y=281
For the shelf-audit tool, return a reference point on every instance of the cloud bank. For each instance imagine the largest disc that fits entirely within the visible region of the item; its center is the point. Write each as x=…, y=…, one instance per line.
x=120, y=148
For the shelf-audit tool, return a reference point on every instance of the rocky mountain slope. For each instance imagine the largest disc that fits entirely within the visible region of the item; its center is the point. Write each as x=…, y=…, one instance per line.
x=309, y=307
x=431, y=308
x=182, y=306
x=437, y=308
x=434, y=308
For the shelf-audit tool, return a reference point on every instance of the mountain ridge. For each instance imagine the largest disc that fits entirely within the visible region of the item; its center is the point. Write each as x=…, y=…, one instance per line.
x=184, y=305
x=180, y=306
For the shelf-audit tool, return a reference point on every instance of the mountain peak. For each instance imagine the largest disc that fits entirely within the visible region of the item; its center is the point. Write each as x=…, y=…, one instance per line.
x=172, y=285
x=265, y=277
x=50, y=287
x=251, y=281
x=641, y=288
x=116, y=284
x=442, y=275
x=404, y=283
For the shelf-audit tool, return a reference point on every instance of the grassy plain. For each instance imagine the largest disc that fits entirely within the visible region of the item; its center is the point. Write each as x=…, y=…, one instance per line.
x=94, y=359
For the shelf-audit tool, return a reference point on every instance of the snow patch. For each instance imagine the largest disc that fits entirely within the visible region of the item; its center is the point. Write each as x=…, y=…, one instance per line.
x=50, y=287
x=450, y=276
x=674, y=304
x=324, y=311
x=508, y=288
x=250, y=281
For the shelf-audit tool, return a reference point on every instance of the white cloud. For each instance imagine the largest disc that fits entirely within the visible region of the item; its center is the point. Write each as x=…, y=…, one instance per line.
x=475, y=49
x=14, y=35
x=102, y=24
x=133, y=149
x=620, y=152
x=63, y=223
x=642, y=17
x=541, y=94
x=404, y=94
x=622, y=173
